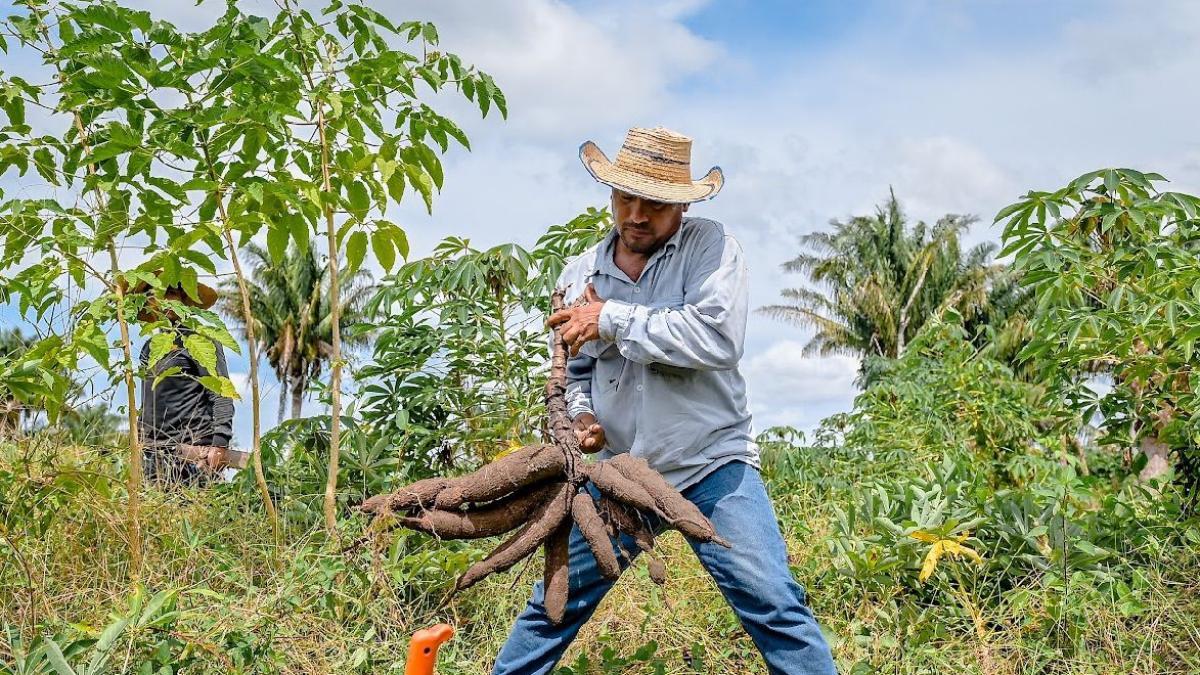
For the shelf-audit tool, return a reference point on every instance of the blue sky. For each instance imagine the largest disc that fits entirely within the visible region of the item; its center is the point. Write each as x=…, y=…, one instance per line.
x=813, y=109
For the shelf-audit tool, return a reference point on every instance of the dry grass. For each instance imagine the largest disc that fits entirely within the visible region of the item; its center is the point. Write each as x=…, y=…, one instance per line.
x=300, y=606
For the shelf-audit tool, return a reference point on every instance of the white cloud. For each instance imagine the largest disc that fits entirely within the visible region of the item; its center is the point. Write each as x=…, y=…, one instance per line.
x=566, y=71
x=816, y=137
x=786, y=387
x=947, y=174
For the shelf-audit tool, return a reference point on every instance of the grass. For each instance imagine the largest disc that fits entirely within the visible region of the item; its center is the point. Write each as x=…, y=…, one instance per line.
x=247, y=603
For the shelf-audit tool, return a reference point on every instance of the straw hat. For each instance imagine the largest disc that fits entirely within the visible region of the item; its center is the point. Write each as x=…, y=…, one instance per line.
x=653, y=164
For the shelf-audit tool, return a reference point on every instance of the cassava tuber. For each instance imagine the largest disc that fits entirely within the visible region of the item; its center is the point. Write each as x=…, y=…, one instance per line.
x=540, y=491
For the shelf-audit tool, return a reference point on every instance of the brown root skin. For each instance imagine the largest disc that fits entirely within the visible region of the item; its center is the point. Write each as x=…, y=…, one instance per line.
x=418, y=495
x=680, y=513
x=583, y=511
x=542, y=523
x=657, y=569
x=503, y=516
x=625, y=521
x=558, y=422
x=557, y=575
x=529, y=465
x=616, y=486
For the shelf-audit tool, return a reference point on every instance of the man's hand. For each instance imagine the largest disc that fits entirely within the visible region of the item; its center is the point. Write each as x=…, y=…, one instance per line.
x=579, y=324
x=589, y=433
x=208, y=457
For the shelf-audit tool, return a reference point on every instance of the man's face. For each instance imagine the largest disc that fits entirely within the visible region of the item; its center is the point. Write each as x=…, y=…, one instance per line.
x=645, y=225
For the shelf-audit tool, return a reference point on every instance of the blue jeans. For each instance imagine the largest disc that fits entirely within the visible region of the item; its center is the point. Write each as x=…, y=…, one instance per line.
x=753, y=576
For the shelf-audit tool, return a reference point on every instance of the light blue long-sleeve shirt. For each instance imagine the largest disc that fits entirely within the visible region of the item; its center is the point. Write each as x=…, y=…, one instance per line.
x=663, y=378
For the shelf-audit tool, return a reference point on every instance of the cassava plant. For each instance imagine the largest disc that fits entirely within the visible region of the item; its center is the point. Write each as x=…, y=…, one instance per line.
x=367, y=137
x=1112, y=261
x=542, y=489
x=105, y=183
x=459, y=354
x=181, y=147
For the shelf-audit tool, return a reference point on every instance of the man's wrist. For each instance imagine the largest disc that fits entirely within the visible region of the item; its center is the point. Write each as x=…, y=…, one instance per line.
x=614, y=319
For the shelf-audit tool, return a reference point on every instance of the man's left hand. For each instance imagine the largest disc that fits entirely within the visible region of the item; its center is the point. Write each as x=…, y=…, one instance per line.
x=580, y=324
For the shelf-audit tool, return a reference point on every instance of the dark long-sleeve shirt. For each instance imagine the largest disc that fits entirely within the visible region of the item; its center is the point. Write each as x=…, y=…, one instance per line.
x=180, y=409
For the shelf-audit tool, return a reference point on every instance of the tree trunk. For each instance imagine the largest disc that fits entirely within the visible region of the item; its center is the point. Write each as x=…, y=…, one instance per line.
x=298, y=397
x=335, y=379
x=133, y=479
x=283, y=392
x=285, y=371
x=251, y=342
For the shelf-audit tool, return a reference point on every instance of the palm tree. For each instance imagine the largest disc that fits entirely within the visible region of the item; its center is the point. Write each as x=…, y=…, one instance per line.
x=292, y=321
x=877, y=280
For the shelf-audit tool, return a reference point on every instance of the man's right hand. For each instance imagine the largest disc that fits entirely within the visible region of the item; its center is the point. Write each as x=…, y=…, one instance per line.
x=589, y=432
x=209, y=457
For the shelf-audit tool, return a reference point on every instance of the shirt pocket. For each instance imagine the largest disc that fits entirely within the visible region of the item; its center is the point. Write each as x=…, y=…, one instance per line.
x=609, y=368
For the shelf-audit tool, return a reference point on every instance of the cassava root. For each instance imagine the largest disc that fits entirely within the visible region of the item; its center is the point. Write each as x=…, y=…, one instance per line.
x=542, y=492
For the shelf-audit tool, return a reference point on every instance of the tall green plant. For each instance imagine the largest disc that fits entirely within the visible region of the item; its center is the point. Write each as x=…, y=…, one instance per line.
x=460, y=351
x=102, y=72
x=1114, y=263
x=372, y=137
x=188, y=145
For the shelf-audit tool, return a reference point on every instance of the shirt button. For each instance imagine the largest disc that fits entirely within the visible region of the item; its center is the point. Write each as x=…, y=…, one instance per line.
x=639, y=387
x=637, y=290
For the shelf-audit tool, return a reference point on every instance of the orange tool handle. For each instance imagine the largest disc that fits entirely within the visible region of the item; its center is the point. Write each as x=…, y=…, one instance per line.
x=422, y=651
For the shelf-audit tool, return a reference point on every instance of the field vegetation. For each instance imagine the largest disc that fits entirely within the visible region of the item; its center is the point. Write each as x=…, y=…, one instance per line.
x=1013, y=491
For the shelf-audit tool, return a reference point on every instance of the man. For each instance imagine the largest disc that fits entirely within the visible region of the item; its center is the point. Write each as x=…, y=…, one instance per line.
x=655, y=344
x=184, y=427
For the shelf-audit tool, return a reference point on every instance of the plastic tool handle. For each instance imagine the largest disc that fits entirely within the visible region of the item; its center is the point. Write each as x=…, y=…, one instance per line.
x=422, y=651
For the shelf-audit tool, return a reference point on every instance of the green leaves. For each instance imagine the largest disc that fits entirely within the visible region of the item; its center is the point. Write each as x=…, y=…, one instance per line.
x=202, y=350
x=385, y=252
x=387, y=240
x=298, y=228
x=91, y=339
x=277, y=241
x=1112, y=262
x=457, y=335
x=356, y=249
x=221, y=386
x=180, y=140
x=161, y=344
x=359, y=200
x=422, y=182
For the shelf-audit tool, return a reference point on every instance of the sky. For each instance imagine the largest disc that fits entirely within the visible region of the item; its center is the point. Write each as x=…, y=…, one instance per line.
x=814, y=110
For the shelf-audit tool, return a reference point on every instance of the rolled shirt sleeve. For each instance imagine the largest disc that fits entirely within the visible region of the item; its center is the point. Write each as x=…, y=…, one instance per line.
x=579, y=385
x=706, y=333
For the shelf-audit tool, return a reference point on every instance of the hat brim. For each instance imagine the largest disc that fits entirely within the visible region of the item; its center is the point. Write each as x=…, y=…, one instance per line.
x=604, y=171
